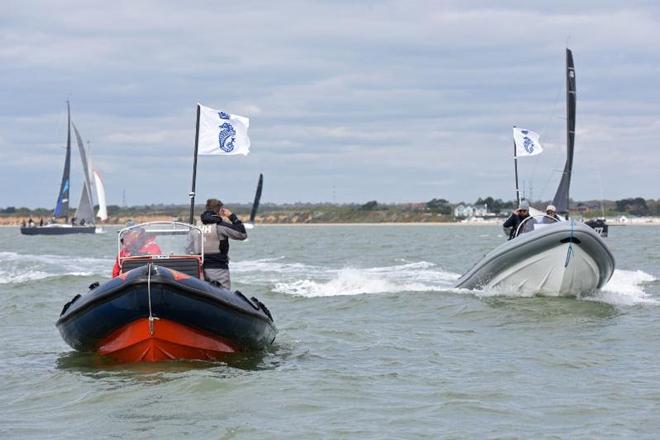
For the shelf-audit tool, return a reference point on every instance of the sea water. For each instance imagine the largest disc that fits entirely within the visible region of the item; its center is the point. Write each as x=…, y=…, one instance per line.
x=374, y=342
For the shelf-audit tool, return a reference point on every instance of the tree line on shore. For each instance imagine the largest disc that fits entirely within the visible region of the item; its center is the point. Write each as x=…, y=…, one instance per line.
x=437, y=209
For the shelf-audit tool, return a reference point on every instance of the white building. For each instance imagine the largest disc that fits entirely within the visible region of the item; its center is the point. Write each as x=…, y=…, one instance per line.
x=466, y=211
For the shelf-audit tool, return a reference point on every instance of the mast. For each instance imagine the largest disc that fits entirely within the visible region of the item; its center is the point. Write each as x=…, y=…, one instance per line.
x=562, y=196
x=62, y=205
x=515, y=166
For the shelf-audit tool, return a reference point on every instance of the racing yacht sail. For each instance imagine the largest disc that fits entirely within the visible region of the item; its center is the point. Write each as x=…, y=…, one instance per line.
x=561, y=196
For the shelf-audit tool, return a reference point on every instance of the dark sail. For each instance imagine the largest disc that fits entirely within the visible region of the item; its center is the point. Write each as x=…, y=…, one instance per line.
x=62, y=205
x=561, y=197
x=257, y=198
x=85, y=209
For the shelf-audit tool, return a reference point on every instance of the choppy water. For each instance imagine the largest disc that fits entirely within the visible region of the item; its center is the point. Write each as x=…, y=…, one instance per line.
x=373, y=343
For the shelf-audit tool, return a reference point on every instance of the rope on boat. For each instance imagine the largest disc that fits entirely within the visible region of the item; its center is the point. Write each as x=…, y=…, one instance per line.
x=569, y=252
x=152, y=318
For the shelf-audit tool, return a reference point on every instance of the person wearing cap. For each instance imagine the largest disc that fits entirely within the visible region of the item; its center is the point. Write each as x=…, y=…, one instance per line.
x=217, y=232
x=517, y=217
x=551, y=215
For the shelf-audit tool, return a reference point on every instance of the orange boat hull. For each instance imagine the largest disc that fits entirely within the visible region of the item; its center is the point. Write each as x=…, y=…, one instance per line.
x=165, y=340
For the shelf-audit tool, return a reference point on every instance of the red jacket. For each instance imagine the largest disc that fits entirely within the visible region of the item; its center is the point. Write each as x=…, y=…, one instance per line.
x=149, y=248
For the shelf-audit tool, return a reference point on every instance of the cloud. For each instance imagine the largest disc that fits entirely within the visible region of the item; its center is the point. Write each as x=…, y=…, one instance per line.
x=375, y=99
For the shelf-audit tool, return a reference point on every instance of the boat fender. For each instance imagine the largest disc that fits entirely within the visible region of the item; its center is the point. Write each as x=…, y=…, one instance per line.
x=67, y=305
x=94, y=285
x=263, y=307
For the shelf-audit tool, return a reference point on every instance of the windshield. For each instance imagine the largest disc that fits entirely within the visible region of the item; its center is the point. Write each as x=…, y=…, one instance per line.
x=534, y=223
x=165, y=239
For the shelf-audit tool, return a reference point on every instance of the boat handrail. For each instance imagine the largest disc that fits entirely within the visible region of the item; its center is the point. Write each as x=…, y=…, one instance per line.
x=161, y=222
x=523, y=227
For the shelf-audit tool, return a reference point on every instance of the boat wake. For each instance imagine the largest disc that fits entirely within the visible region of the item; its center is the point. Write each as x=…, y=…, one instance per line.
x=625, y=288
x=23, y=268
x=316, y=281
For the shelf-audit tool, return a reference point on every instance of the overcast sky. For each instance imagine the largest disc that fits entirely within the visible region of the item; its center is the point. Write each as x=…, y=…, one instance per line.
x=348, y=101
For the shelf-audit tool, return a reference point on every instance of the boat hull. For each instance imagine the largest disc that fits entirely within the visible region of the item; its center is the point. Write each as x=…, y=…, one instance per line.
x=64, y=230
x=153, y=313
x=161, y=339
x=562, y=259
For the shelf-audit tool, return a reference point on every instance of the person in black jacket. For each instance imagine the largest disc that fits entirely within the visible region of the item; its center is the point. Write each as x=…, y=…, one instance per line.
x=217, y=233
x=517, y=217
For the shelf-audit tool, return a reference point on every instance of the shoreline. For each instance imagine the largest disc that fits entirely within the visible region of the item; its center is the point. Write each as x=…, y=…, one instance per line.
x=655, y=222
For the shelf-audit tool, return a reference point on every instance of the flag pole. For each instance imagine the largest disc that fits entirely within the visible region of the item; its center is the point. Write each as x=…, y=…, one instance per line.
x=515, y=166
x=194, y=175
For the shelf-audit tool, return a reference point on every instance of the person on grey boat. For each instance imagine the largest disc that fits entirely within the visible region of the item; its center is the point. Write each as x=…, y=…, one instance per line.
x=517, y=217
x=217, y=233
x=551, y=215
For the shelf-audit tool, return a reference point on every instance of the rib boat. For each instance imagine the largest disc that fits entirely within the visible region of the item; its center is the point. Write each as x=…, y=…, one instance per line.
x=547, y=255
x=159, y=307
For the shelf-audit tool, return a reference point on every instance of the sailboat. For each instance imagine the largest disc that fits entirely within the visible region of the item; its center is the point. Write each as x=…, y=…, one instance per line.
x=84, y=221
x=546, y=255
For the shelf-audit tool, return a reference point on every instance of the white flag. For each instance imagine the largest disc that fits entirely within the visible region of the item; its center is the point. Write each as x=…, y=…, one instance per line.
x=527, y=142
x=221, y=133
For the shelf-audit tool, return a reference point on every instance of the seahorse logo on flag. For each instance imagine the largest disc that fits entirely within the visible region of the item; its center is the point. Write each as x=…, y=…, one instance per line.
x=227, y=137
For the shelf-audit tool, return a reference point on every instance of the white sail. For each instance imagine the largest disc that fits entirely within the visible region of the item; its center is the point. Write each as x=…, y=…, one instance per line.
x=100, y=195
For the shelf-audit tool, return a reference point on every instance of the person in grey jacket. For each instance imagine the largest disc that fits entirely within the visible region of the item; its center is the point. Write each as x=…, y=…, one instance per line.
x=217, y=233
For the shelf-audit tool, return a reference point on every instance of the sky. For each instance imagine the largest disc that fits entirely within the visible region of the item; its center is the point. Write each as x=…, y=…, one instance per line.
x=395, y=101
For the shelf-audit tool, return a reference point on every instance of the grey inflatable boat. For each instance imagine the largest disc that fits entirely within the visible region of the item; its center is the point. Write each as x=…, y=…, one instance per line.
x=565, y=258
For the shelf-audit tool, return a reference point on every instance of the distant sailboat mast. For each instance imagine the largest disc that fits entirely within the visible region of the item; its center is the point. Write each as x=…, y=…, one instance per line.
x=561, y=196
x=62, y=205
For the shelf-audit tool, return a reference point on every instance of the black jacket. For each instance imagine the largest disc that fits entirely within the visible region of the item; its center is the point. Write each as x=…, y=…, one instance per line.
x=234, y=230
x=513, y=222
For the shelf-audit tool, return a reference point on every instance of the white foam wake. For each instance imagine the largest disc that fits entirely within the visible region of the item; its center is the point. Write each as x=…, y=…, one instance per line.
x=626, y=287
x=411, y=277
x=23, y=268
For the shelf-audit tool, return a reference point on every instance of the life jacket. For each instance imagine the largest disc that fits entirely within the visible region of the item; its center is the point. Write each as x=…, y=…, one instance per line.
x=212, y=242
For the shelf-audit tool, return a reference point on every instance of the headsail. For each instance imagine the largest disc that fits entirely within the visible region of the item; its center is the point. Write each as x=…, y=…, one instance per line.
x=62, y=205
x=86, y=206
x=561, y=196
x=85, y=210
x=100, y=195
x=98, y=187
